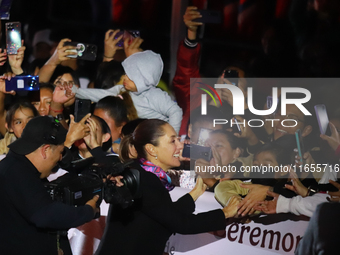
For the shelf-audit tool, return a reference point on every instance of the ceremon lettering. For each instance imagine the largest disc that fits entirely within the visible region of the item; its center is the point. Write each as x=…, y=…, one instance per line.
x=259, y=237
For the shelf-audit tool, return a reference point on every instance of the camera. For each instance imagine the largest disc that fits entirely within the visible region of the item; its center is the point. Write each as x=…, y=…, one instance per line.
x=87, y=179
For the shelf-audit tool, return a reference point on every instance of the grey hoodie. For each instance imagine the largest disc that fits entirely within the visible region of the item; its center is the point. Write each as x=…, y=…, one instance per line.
x=145, y=70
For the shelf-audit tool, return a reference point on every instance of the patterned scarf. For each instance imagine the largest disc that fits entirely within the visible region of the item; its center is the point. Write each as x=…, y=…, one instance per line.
x=164, y=178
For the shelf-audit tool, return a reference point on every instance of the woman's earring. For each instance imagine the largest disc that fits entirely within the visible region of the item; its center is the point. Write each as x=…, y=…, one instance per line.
x=156, y=156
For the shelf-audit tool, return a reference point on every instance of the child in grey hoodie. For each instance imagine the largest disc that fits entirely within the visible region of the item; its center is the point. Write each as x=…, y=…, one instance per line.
x=144, y=70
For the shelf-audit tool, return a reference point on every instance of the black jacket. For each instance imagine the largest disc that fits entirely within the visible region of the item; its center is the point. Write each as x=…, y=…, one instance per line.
x=29, y=218
x=145, y=227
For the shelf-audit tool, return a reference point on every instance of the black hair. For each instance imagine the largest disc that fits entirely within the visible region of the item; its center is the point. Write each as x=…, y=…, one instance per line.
x=213, y=113
x=234, y=141
x=34, y=96
x=131, y=126
x=115, y=108
x=19, y=105
x=149, y=131
x=105, y=130
x=61, y=70
x=108, y=74
x=283, y=155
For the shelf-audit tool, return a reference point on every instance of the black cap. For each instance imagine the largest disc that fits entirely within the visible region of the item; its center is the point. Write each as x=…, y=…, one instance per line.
x=38, y=131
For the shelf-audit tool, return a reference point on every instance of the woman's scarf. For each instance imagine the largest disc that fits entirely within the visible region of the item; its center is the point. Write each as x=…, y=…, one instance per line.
x=161, y=174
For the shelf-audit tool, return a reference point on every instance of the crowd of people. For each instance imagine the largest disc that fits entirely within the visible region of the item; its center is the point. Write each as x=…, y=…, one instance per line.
x=131, y=119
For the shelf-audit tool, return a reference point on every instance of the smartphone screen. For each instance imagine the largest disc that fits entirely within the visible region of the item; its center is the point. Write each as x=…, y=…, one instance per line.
x=235, y=126
x=322, y=117
x=13, y=37
x=203, y=136
x=299, y=144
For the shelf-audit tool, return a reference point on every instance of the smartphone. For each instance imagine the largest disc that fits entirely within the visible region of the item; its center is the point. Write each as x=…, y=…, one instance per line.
x=13, y=37
x=203, y=136
x=236, y=127
x=299, y=143
x=208, y=16
x=82, y=107
x=131, y=34
x=322, y=117
x=18, y=83
x=194, y=152
x=84, y=51
x=232, y=76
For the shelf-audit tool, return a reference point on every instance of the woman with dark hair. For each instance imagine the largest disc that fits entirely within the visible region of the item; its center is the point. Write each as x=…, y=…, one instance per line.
x=113, y=110
x=99, y=136
x=17, y=117
x=149, y=222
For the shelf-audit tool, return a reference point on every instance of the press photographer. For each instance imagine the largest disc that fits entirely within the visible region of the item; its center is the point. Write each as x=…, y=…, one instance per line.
x=29, y=218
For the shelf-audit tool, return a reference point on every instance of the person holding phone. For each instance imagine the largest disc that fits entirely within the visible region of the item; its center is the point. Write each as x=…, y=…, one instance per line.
x=188, y=55
x=154, y=214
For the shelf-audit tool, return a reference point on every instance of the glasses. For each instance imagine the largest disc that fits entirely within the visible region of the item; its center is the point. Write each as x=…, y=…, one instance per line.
x=61, y=82
x=291, y=118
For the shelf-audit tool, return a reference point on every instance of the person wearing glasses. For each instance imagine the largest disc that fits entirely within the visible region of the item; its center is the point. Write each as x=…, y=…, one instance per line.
x=31, y=222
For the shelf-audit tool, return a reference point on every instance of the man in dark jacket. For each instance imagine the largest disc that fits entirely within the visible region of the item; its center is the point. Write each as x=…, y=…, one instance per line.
x=30, y=221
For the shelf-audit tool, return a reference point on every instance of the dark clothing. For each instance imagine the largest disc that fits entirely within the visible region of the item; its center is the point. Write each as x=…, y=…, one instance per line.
x=322, y=234
x=29, y=218
x=145, y=227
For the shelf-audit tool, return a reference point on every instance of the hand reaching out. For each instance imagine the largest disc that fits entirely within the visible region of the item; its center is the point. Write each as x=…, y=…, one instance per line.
x=231, y=209
x=256, y=193
x=63, y=93
x=268, y=207
x=297, y=186
x=199, y=189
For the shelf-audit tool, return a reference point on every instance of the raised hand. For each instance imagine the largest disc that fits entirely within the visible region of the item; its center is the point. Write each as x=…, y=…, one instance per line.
x=94, y=139
x=15, y=60
x=77, y=130
x=199, y=189
x=110, y=44
x=133, y=47
x=191, y=13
